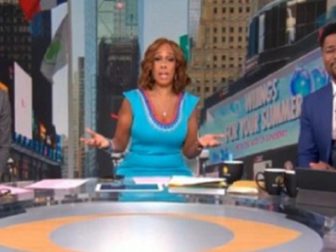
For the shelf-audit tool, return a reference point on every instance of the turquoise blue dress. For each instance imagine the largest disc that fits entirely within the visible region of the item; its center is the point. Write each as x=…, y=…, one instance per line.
x=155, y=149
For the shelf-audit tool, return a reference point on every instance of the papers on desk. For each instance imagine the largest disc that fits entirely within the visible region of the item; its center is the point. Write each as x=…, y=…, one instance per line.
x=197, y=185
x=197, y=190
x=58, y=189
x=57, y=184
x=196, y=182
x=201, y=182
x=244, y=187
x=20, y=194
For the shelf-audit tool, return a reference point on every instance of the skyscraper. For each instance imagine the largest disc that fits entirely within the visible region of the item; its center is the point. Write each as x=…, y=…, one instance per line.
x=15, y=37
x=90, y=79
x=219, y=51
x=117, y=68
x=111, y=30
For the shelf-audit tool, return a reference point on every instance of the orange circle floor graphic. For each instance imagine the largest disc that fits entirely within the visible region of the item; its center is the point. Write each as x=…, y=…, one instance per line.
x=248, y=235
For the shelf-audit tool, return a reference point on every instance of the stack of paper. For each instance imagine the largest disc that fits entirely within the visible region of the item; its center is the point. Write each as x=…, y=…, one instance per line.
x=58, y=189
x=57, y=184
x=203, y=182
x=20, y=194
x=243, y=187
x=197, y=185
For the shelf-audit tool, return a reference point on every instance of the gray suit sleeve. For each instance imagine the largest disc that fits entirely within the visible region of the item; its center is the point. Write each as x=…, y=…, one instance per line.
x=5, y=129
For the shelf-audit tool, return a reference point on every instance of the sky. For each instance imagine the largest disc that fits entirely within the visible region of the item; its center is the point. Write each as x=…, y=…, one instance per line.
x=171, y=21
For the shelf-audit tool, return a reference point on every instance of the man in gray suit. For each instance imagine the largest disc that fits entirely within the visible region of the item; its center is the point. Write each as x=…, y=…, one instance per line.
x=5, y=129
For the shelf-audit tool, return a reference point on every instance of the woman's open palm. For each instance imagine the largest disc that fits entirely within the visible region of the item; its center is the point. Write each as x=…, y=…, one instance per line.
x=95, y=140
x=210, y=140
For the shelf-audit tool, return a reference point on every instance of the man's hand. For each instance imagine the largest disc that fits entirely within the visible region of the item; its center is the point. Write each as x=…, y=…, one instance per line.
x=321, y=166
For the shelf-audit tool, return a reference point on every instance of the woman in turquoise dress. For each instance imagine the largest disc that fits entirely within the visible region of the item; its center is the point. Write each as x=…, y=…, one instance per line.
x=157, y=122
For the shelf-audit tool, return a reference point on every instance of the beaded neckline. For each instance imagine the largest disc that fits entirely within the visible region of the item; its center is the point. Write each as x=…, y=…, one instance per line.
x=151, y=115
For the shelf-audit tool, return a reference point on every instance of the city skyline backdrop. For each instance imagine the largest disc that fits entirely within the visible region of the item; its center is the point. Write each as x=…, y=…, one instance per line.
x=232, y=47
x=171, y=22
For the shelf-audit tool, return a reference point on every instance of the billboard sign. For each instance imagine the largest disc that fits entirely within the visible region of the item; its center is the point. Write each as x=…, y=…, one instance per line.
x=265, y=115
x=23, y=102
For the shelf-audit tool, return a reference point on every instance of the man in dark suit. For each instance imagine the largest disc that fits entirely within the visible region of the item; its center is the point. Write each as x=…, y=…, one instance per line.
x=317, y=140
x=5, y=129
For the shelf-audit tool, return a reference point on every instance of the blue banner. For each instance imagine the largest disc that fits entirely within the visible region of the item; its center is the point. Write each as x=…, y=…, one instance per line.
x=265, y=115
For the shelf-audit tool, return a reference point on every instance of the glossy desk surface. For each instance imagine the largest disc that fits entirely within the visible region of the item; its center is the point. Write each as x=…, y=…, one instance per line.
x=84, y=220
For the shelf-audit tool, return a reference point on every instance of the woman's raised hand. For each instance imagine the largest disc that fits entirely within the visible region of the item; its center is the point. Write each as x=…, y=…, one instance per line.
x=95, y=140
x=210, y=140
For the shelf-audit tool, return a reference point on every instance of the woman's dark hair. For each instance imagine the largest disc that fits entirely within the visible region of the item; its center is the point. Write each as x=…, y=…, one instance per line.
x=181, y=79
x=325, y=32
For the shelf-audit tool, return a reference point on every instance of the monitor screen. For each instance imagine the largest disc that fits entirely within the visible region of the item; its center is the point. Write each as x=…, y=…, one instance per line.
x=121, y=187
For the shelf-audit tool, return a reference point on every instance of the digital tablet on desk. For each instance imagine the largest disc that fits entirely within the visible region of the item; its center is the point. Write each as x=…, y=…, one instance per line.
x=120, y=187
x=318, y=180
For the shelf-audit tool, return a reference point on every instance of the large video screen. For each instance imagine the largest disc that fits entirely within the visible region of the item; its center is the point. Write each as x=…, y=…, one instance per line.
x=23, y=102
x=265, y=115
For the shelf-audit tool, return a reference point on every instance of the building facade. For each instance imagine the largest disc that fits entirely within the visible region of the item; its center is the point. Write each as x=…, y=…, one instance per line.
x=90, y=79
x=15, y=37
x=35, y=148
x=260, y=113
x=218, y=54
x=117, y=67
x=118, y=72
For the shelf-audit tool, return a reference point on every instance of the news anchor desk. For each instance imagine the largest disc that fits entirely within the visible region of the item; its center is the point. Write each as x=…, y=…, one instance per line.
x=86, y=221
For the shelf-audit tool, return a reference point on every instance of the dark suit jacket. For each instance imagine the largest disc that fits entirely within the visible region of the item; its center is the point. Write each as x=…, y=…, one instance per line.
x=315, y=138
x=5, y=129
